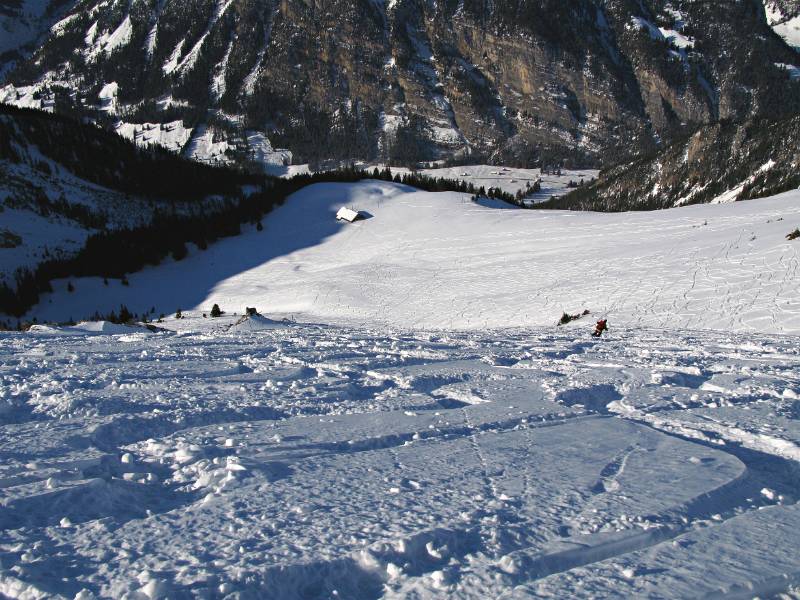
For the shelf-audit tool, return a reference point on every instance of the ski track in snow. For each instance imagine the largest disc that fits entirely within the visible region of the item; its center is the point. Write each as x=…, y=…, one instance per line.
x=425, y=430
x=304, y=460
x=440, y=261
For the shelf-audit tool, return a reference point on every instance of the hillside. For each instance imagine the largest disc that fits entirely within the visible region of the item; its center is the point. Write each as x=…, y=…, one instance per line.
x=442, y=261
x=724, y=162
x=63, y=182
x=422, y=428
x=263, y=83
x=399, y=299
x=80, y=201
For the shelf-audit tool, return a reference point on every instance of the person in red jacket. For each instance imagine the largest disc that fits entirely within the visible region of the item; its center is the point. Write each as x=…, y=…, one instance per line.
x=602, y=325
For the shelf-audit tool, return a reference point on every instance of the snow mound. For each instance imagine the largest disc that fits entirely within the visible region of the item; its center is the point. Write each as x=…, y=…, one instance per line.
x=92, y=327
x=257, y=323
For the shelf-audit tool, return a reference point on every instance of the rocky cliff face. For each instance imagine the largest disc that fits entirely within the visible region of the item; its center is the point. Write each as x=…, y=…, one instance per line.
x=514, y=81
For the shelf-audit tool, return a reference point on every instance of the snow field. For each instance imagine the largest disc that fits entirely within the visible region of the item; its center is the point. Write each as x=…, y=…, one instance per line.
x=315, y=461
x=173, y=136
x=439, y=437
x=511, y=180
x=440, y=261
x=788, y=29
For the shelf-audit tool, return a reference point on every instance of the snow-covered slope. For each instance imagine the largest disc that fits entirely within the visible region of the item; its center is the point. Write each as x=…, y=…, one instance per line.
x=63, y=181
x=269, y=458
x=784, y=18
x=719, y=163
x=322, y=462
x=439, y=260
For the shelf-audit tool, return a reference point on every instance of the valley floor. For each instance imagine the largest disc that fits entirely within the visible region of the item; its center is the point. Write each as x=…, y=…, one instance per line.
x=301, y=461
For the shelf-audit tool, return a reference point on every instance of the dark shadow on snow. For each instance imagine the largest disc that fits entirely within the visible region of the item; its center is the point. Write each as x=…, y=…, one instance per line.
x=304, y=221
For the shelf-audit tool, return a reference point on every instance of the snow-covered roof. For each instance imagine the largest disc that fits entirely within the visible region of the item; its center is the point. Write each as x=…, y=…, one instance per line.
x=347, y=214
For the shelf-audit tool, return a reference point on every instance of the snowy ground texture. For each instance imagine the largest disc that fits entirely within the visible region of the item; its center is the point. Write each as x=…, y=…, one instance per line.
x=302, y=461
x=401, y=439
x=441, y=261
x=513, y=180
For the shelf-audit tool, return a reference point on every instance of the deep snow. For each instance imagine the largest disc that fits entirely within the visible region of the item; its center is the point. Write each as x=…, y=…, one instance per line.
x=393, y=441
x=441, y=261
x=318, y=462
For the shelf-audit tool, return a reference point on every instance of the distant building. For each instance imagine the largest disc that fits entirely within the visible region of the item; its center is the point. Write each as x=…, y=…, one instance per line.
x=349, y=215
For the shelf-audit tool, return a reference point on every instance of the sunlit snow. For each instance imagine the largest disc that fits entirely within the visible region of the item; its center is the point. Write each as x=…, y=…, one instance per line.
x=405, y=420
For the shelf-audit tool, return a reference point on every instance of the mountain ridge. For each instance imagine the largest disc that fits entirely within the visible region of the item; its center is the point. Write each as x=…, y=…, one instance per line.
x=407, y=81
x=721, y=162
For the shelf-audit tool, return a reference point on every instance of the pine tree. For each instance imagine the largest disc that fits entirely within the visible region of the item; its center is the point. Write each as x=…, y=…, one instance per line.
x=179, y=252
x=124, y=314
x=216, y=312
